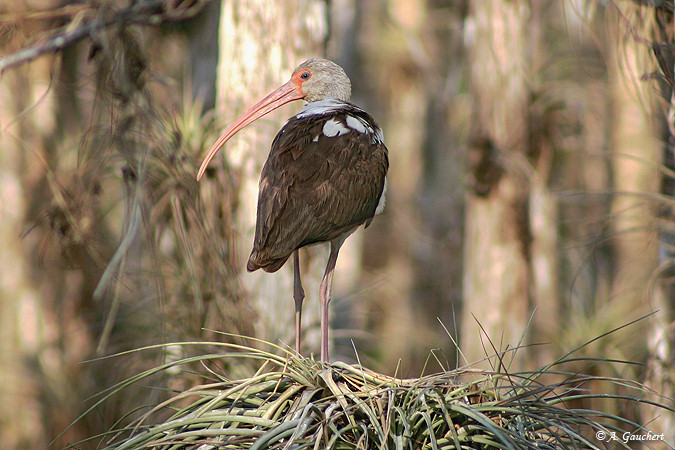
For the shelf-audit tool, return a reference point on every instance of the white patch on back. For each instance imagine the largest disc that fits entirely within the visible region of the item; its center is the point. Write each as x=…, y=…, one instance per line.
x=356, y=123
x=316, y=138
x=382, y=201
x=321, y=107
x=333, y=105
x=334, y=128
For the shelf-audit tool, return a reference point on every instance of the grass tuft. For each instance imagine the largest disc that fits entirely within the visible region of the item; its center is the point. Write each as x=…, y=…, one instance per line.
x=299, y=403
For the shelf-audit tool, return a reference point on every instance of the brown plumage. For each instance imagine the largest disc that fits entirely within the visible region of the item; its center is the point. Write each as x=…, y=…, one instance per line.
x=315, y=191
x=324, y=177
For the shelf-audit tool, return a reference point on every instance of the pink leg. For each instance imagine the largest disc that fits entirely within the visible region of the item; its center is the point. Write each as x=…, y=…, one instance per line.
x=298, y=297
x=325, y=294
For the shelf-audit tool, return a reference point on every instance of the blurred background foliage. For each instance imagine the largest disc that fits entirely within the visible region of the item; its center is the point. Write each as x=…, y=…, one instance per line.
x=530, y=190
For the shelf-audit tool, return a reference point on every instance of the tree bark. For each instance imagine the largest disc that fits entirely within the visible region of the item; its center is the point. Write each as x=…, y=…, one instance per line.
x=261, y=42
x=644, y=164
x=497, y=235
x=22, y=314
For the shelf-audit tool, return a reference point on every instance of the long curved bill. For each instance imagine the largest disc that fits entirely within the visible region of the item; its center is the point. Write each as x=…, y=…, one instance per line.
x=286, y=93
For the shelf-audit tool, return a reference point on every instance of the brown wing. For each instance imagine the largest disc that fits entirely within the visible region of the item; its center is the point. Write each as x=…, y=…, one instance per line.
x=315, y=187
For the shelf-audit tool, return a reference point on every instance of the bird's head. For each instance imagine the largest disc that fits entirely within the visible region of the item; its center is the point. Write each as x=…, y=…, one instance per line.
x=313, y=80
x=320, y=78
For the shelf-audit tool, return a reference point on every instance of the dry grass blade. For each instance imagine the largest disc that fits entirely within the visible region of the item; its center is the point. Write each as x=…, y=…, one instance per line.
x=297, y=403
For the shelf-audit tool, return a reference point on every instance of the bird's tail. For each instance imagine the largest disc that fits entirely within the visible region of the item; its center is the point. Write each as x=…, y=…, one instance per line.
x=257, y=261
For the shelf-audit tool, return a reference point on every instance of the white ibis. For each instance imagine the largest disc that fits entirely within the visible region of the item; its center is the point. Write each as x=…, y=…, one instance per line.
x=324, y=177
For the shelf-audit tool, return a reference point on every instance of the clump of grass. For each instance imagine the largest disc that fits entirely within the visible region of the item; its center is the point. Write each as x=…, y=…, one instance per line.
x=298, y=403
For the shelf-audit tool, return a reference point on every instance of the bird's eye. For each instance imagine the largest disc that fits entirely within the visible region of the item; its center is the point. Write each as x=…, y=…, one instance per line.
x=305, y=75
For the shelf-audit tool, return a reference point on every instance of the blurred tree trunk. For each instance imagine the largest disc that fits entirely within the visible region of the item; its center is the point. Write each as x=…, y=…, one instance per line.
x=23, y=329
x=542, y=205
x=261, y=42
x=661, y=339
x=633, y=160
x=402, y=62
x=497, y=234
x=203, y=54
x=635, y=165
x=660, y=375
x=645, y=252
x=440, y=193
x=401, y=109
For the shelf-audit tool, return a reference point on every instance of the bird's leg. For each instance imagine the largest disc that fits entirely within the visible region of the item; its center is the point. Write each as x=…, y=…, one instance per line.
x=298, y=297
x=325, y=294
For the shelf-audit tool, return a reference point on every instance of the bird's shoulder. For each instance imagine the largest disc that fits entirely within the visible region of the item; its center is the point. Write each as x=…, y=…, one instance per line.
x=325, y=127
